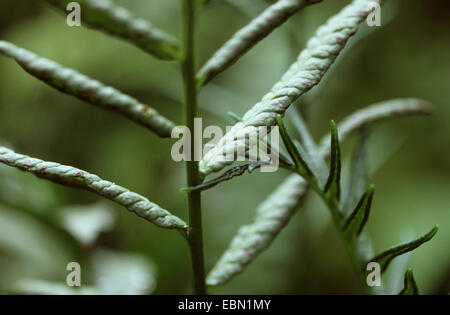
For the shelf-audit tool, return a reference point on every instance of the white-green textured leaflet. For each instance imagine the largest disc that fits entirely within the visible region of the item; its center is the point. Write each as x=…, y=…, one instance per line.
x=71, y=176
x=310, y=67
x=91, y=91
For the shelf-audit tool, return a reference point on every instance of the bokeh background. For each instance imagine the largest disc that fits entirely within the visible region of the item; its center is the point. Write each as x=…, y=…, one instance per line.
x=44, y=226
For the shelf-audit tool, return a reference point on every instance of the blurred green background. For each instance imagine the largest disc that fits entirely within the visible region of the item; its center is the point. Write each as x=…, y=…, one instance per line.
x=44, y=226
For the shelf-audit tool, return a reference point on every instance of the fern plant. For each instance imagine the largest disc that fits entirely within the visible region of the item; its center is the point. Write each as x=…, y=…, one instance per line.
x=305, y=158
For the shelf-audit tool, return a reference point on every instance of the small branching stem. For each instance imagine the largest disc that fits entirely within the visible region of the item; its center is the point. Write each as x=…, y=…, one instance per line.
x=336, y=214
x=195, y=237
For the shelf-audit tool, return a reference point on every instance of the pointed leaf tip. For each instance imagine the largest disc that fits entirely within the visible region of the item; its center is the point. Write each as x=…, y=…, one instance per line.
x=410, y=285
x=293, y=151
x=386, y=257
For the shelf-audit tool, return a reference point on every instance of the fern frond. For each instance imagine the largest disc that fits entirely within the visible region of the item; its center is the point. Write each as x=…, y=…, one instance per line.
x=231, y=264
x=86, y=89
x=71, y=176
x=304, y=74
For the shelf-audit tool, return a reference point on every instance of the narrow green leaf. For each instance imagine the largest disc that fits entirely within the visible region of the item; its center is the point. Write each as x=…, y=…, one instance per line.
x=73, y=177
x=386, y=257
x=410, y=285
x=106, y=16
x=299, y=162
x=311, y=151
x=229, y=174
x=309, y=161
x=284, y=159
x=88, y=90
x=355, y=223
x=332, y=187
x=359, y=173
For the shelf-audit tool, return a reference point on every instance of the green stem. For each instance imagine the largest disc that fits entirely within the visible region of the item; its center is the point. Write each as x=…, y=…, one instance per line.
x=195, y=237
x=352, y=251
